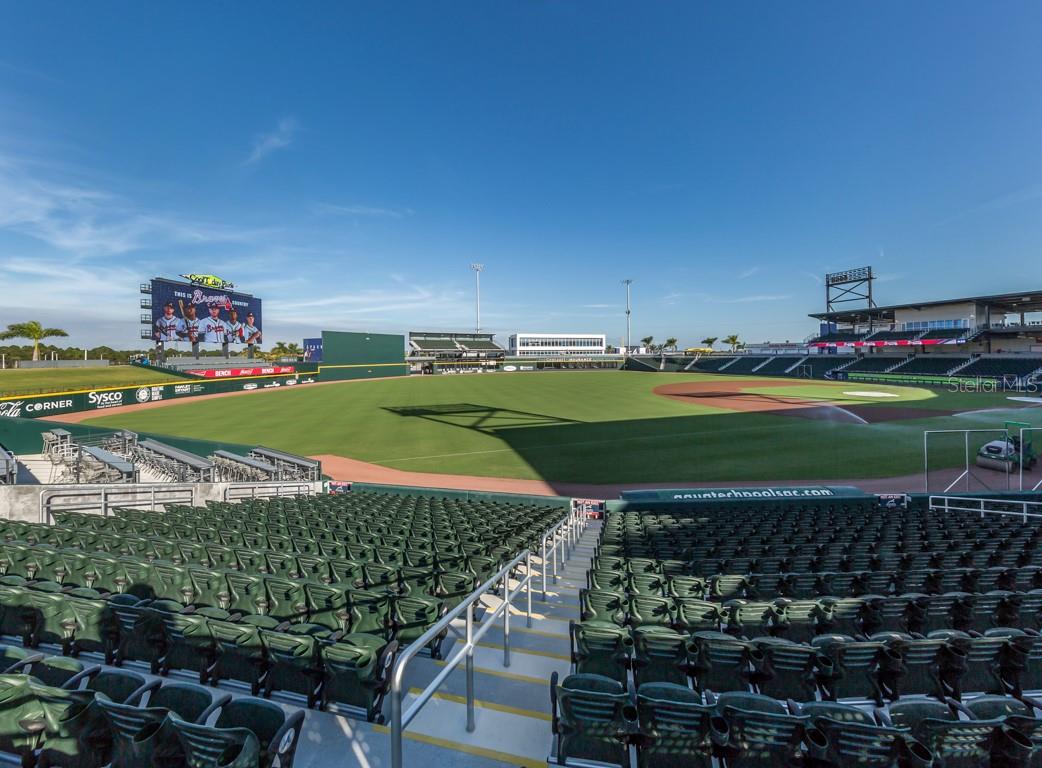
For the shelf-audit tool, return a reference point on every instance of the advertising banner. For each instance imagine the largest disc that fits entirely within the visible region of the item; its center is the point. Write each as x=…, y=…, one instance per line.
x=887, y=343
x=199, y=314
x=220, y=373
x=313, y=350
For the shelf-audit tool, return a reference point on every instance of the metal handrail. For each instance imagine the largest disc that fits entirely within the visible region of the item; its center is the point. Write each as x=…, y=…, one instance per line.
x=573, y=524
x=979, y=506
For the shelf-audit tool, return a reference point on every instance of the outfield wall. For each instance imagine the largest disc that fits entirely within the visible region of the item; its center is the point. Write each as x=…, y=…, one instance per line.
x=362, y=355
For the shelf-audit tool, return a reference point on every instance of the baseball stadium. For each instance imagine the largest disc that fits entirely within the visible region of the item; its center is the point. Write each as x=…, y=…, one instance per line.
x=436, y=547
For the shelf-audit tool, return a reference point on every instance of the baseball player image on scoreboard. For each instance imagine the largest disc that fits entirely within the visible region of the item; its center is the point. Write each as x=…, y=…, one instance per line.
x=191, y=326
x=234, y=327
x=251, y=333
x=169, y=327
x=213, y=328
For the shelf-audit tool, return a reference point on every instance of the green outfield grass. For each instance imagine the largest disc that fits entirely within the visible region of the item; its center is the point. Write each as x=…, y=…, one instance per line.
x=17, y=381
x=597, y=427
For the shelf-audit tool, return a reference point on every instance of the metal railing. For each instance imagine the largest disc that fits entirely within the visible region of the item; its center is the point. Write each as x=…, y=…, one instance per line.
x=983, y=507
x=239, y=491
x=565, y=535
x=103, y=499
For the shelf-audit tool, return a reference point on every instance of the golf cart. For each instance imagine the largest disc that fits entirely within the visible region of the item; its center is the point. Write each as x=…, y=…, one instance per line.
x=1005, y=454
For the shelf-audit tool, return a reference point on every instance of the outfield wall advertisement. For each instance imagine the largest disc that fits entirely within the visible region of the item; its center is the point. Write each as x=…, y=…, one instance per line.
x=42, y=406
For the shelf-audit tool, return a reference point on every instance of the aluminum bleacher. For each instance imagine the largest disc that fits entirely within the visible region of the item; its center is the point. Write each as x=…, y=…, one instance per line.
x=235, y=468
x=288, y=465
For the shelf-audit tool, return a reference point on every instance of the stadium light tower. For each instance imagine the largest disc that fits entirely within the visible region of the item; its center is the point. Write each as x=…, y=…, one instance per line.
x=627, y=282
x=478, y=269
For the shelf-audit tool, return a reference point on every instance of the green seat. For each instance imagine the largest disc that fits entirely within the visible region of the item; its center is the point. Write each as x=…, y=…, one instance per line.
x=848, y=668
x=380, y=577
x=277, y=732
x=12, y=619
x=412, y=616
x=592, y=719
x=281, y=564
x=607, y=580
x=249, y=560
x=370, y=612
x=189, y=645
x=206, y=747
x=104, y=572
x=694, y=614
x=89, y=624
x=760, y=731
x=140, y=632
x=678, y=730
x=13, y=656
x=245, y=594
x=61, y=671
x=417, y=581
x=595, y=605
x=659, y=656
x=171, y=582
x=346, y=572
x=44, y=612
x=720, y=662
x=74, y=570
x=33, y=712
x=209, y=588
x=357, y=672
x=286, y=600
x=314, y=568
x=867, y=745
x=651, y=610
x=293, y=663
x=120, y=685
x=240, y=654
x=136, y=578
x=190, y=702
x=138, y=735
x=601, y=649
x=453, y=587
x=327, y=605
x=789, y=669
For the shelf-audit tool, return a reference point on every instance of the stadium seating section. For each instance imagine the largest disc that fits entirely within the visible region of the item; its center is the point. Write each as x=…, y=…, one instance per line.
x=59, y=713
x=840, y=336
x=711, y=363
x=818, y=365
x=931, y=364
x=480, y=345
x=892, y=335
x=310, y=595
x=1002, y=366
x=778, y=365
x=946, y=333
x=816, y=633
x=434, y=345
x=873, y=364
x=745, y=364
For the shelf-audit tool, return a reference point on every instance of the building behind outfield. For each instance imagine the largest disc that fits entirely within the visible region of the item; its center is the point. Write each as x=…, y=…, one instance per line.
x=556, y=344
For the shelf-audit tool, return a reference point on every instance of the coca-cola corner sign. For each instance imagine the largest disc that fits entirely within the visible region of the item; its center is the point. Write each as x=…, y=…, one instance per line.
x=35, y=407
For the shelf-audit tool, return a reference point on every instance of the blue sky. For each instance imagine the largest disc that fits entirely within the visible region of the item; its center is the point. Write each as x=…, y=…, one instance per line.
x=347, y=162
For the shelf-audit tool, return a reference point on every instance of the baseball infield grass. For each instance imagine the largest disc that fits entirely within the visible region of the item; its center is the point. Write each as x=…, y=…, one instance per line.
x=19, y=381
x=593, y=427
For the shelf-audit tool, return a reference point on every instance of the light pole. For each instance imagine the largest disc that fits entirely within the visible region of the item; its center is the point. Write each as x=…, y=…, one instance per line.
x=627, y=282
x=478, y=269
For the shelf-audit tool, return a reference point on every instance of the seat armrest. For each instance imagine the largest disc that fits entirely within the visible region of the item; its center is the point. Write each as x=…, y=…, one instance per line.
x=135, y=698
x=73, y=683
x=294, y=723
x=219, y=700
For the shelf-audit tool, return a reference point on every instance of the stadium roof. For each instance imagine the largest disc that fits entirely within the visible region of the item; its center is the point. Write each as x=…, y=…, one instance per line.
x=1026, y=301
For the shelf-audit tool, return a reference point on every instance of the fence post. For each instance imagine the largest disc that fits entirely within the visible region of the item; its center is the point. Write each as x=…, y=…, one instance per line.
x=528, y=588
x=506, y=620
x=553, y=555
x=470, y=668
x=542, y=568
x=396, y=723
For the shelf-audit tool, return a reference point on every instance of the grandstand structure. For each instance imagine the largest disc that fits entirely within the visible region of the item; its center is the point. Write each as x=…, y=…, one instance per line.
x=841, y=632
x=430, y=351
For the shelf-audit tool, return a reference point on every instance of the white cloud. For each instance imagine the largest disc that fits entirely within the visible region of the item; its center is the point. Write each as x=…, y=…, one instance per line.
x=266, y=143
x=745, y=273
x=78, y=217
x=328, y=209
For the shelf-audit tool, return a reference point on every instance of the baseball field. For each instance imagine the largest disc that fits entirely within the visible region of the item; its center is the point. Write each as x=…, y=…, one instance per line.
x=26, y=381
x=598, y=427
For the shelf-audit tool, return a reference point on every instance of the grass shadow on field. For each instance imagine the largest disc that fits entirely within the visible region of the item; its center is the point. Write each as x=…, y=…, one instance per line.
x=481, y=418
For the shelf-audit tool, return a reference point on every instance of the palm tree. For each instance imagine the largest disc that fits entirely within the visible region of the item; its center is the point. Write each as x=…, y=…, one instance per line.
x=709, y=341
x=646, y=342
x=278, y=351
x=31, y=330
x=732, y=341
x=294, y=350
x=671, y=343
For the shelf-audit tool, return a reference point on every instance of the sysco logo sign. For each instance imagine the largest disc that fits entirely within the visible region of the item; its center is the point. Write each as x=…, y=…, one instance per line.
x=105, y=399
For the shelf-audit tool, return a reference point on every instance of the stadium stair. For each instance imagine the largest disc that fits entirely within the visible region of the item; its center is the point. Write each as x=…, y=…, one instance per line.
x=512, y=712
x=954, y=371
x=725, y=366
